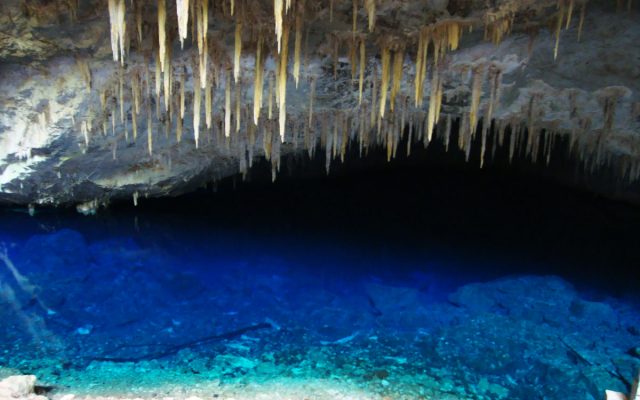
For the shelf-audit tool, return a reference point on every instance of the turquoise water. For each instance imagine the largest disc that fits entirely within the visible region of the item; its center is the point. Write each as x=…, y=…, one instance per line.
x=157, y=301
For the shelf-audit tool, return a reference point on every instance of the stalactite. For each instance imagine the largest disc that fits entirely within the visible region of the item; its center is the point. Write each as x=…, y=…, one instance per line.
x=336, y=56
x=167, y=79
x=197, y=101
x=113, y=120
x=282, y=81
x=334, y=140
x=362, y=66
x=437, y=48
x=447, y=133
x=374, y=93
x=345, y=139
x=476, y=94
x=362, y=132
x=227, y=107
x=202, y=15
x=85, y=72
x=330, y=11
x=569, y=14
x=270, y=99
x=85, y=133
x=328, y=148
x=237, y=52
x=384, y=79
x=267, y=140
x=609, y=113
x=583, y=9
x=135, y=93
x=409, y=141
x=258, y=82
x=502, y=128
x=550, y=142
x=275, y=159
x=117, y=18
x=483, y=145
x=439, y=94
x=494, y=96
x=467, y=139
x=158, y=83
x=179, y=127
x=370, y=5
x=149, y=133
x=138, y=11
x=181, y=109
x=512, y=143
x=434, y=103
x=559, y=20
x=182, y=8
x=208, y=105
x=389, y=140
x=312, y=94
x=238, y=93
x=232, y=7
x=277, y=11
x=103, y=101
x=193, y=12
x=121, y=94
x=453, y=32
x=403, y=115
x=419, y=78
x=395, y=135
x=398, y=63
x=531, y=120
x=205, y=23
x=125, y=128
x=134, y=124
x=354, y=17
x=297, y=48
x=305, y=52
x=307, y=139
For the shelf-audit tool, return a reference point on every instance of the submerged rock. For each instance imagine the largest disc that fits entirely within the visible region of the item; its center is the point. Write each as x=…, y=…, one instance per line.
x=65, y=249
x=19, y=387
x=538, y=299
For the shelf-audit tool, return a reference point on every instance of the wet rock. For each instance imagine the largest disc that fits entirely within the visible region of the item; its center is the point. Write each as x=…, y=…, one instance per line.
x=19, y=387
x=396, y=305
x=389, y=299
x=182, y=286
x=595, y=313
x=538, y=299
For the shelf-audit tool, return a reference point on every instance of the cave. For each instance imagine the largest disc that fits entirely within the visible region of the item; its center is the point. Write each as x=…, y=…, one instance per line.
x=319, y=199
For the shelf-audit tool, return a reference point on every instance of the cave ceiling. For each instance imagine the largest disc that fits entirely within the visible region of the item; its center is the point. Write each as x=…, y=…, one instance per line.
x=114, y=99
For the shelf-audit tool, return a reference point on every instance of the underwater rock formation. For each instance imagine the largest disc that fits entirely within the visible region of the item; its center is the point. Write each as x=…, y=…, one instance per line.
x=115, y=99
x=20, y=387
x=261, y=320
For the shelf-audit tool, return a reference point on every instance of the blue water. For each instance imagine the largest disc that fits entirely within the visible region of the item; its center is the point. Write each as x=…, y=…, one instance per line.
x=151, y=302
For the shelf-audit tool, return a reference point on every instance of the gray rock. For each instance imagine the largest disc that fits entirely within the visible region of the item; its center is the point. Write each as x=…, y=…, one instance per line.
x=538, y=299
x=17, y=386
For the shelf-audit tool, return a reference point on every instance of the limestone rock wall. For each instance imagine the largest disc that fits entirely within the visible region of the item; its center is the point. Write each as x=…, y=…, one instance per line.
x=172, y=112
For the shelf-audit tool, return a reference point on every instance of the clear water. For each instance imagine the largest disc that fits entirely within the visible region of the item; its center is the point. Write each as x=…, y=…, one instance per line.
x=237, y=302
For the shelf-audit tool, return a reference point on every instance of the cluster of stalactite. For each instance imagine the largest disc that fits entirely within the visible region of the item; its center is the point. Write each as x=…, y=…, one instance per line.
x=390, y=107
